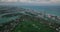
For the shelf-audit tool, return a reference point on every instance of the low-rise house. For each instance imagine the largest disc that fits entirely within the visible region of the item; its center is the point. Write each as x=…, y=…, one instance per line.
x=53, y=17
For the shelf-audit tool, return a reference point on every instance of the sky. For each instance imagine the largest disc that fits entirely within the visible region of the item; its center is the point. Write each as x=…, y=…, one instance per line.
x=33, y=2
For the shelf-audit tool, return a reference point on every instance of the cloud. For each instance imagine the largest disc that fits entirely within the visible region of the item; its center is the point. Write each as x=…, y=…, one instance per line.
x=40, y=1
x=8, y=0
x=33, y=1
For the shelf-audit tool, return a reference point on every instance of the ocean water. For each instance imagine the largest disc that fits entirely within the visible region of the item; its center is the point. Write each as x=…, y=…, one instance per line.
x=54, y=10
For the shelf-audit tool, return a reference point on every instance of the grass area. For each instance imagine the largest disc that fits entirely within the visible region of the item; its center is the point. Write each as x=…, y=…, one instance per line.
x=32, y=26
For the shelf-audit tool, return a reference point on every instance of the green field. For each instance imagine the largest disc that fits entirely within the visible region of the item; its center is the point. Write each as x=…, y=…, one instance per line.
x=30, y=24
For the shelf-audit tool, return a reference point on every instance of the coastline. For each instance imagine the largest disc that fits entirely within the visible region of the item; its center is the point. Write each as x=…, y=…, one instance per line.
x=30, y=15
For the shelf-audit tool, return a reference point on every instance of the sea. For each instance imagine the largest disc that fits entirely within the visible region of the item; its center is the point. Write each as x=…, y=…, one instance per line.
x=53, y=10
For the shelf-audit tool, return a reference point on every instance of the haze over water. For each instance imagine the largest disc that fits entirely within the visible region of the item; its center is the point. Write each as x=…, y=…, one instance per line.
x=53, y=10
x=48, y=6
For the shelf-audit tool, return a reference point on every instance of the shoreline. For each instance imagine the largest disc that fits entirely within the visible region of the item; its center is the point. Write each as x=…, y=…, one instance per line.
x=43, y=12
x=38, y=12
